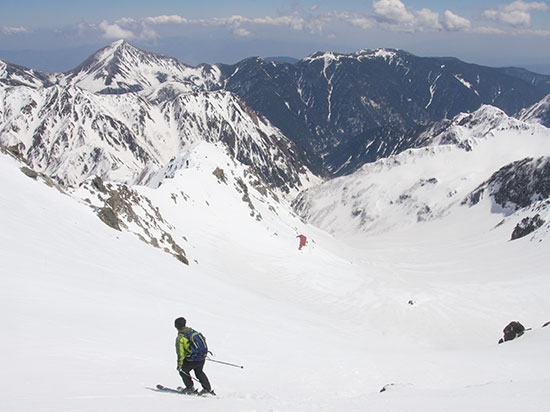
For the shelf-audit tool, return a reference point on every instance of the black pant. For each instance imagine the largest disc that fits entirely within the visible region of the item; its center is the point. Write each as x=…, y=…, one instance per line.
x=195, y=366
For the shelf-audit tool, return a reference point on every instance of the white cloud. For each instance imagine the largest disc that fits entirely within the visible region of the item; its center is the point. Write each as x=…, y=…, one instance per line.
x=240, y=32
x=126, y=21
x=454, y=22
x=515, y=14
x=355, y=19
x=114, y=31
x=172, y=19
x=147, y=33
x=392, y=12
x=541, y=33
x=14, y=30
x=294, y=21
x=428, y=20
x=488, y=30
x=525, y=6
x=393, y=15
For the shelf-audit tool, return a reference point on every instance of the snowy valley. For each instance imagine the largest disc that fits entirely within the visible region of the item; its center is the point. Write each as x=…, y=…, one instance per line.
x=135, y=190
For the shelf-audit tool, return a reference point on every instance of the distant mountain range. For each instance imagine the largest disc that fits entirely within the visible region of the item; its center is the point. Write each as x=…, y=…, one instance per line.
x=340, y=110
x=348, y=109
x=483, y=160
x=400, y=138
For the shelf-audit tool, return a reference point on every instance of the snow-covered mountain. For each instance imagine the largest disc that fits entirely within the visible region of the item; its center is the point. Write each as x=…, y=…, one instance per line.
x=430, y=182
x=14, y=75
x=341, y=110
x=345, y=110
x=537, y=113
x=72, y=134
x=523, y=186
x=130, y=117
x=99, y=143
x=122, y=68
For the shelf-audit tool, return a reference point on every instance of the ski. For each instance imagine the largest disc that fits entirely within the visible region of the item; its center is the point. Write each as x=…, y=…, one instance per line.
x=180, y=390
x=167, y=389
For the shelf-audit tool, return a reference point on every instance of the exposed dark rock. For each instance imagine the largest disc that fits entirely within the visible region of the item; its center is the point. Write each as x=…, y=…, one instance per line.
x=219, y=173
x=517, y=185
x=526, y=226
x=108, y=216
x=97, y=183
x=124, y=208
x=29, y=172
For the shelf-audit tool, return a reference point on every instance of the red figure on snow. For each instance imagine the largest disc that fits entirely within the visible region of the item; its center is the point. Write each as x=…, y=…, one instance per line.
x=303, y=241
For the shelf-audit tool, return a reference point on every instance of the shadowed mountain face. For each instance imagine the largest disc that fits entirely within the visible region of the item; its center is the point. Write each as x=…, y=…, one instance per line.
x=348, y=109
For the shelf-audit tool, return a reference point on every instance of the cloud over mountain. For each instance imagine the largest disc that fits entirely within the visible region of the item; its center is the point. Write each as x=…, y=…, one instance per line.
x=515, y=14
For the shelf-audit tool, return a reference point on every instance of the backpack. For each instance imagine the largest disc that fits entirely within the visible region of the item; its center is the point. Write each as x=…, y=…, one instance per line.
x=197, y=343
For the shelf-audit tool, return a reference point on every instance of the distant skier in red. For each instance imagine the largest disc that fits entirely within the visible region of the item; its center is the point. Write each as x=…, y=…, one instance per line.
x=303, y=241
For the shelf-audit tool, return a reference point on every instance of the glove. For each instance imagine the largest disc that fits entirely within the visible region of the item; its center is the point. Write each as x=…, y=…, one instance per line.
x=179, y=368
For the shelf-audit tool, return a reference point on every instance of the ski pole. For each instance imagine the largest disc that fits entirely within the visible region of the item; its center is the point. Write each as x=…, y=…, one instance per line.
x=225, y=363
x=185, y=373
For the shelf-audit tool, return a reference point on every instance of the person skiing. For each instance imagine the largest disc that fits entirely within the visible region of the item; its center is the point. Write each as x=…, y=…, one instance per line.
x=303, y=241
x=191, y=350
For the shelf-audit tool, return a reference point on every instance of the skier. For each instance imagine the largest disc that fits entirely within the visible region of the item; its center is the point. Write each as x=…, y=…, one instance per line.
x=303, y=241
x=191, y=350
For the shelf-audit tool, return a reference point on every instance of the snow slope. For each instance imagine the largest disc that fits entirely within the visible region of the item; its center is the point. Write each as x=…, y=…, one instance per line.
x=121, y=68
x=537, y=113
x=87, y=311
x=72, y=134
x=425, y=183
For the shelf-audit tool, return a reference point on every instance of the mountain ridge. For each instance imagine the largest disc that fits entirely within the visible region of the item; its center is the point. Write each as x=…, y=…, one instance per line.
x=454, y=162
x=72, y=134
x=341, y=109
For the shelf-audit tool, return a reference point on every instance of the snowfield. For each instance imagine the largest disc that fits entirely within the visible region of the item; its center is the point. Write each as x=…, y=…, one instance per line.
x=87, y=311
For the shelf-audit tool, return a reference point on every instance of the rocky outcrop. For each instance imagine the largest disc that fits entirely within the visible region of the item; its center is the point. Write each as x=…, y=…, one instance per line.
x=123, y=208
x=527, y=226
x=517, y=185
x=537, y=113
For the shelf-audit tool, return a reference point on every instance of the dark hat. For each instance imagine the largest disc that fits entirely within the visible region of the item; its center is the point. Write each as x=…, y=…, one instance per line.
x=180, y=323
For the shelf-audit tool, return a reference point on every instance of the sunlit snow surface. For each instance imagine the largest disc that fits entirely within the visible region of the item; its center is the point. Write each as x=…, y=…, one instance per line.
x=87, y=312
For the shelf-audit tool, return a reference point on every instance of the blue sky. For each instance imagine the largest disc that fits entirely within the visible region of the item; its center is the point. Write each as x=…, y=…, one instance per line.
x=57, y=35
